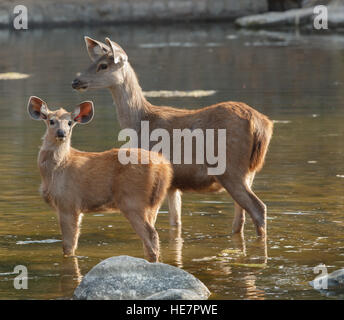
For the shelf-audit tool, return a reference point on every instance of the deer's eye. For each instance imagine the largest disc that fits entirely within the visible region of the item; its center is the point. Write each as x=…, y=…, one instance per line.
x=70, y=122
x=52, y=122
x=102, y=66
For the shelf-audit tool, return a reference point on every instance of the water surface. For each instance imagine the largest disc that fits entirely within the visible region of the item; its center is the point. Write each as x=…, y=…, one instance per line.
x=297, y=80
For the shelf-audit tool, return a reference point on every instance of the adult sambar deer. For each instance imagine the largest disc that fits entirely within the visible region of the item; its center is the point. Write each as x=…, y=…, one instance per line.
x=76, y=182
x=248, y=133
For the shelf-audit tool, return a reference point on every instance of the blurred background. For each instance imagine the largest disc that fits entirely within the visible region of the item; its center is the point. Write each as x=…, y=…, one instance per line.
x=265, y=53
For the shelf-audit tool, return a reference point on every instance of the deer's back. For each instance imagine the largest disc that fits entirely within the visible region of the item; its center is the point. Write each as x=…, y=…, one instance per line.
x=236, y=118
x=99, y=181
x=229, y=115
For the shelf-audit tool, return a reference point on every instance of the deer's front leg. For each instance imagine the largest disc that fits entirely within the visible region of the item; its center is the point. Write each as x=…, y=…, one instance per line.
x=174, y=207
x=70, y=229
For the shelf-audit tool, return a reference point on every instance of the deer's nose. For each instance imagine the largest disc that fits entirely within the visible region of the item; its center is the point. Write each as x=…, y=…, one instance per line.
x=76, y=83
x=60, y=133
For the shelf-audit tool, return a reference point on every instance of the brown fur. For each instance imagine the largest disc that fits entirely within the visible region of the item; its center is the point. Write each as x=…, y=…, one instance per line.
x=76, y=182
x=262, y=133
x=248, y=134
x=243, y=124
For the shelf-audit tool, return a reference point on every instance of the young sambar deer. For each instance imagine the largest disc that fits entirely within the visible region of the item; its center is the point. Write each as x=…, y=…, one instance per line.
x=248, y=133
x=76, y=182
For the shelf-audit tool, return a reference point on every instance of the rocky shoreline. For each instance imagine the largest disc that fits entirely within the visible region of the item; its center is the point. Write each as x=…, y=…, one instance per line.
x=95, y=12
x=250, y=14
x=298, y=18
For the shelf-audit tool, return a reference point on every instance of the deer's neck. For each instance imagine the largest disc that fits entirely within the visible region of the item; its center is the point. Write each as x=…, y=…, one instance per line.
x=132, y=107
x=52, y=156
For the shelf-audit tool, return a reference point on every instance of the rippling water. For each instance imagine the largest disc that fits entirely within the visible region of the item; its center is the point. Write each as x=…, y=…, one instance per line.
x=296, y=80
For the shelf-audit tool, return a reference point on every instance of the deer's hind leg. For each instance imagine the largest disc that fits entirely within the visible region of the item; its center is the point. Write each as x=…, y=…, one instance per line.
x=242, y=194
x=239, y=212
x=152, y=215
x=239, y=219
x=146, y=231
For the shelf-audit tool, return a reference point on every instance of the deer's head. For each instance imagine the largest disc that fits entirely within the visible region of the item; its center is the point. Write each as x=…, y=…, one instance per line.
x=60, y=123
x=107, y=68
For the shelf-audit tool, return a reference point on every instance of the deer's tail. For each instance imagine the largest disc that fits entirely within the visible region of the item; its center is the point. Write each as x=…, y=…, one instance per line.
x=262, y=129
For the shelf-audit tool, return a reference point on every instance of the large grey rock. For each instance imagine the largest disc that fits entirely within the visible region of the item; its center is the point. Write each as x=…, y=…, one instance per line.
x=298, y=17
x=333, y=281
x=128, y=278
x=174, y=294
x=273, y=19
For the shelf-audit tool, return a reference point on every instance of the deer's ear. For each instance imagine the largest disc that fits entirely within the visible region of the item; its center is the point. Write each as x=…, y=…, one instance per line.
x=95, y=48
x=119, y=55
x=84, y=112
x=37, y=108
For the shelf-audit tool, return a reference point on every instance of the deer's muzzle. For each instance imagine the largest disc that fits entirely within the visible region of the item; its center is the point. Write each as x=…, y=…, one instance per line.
x=77, y=84
x=60, y=134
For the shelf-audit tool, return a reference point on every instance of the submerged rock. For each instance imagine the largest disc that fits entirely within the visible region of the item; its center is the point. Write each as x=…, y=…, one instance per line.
x=128, y=278
x=330, y=284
